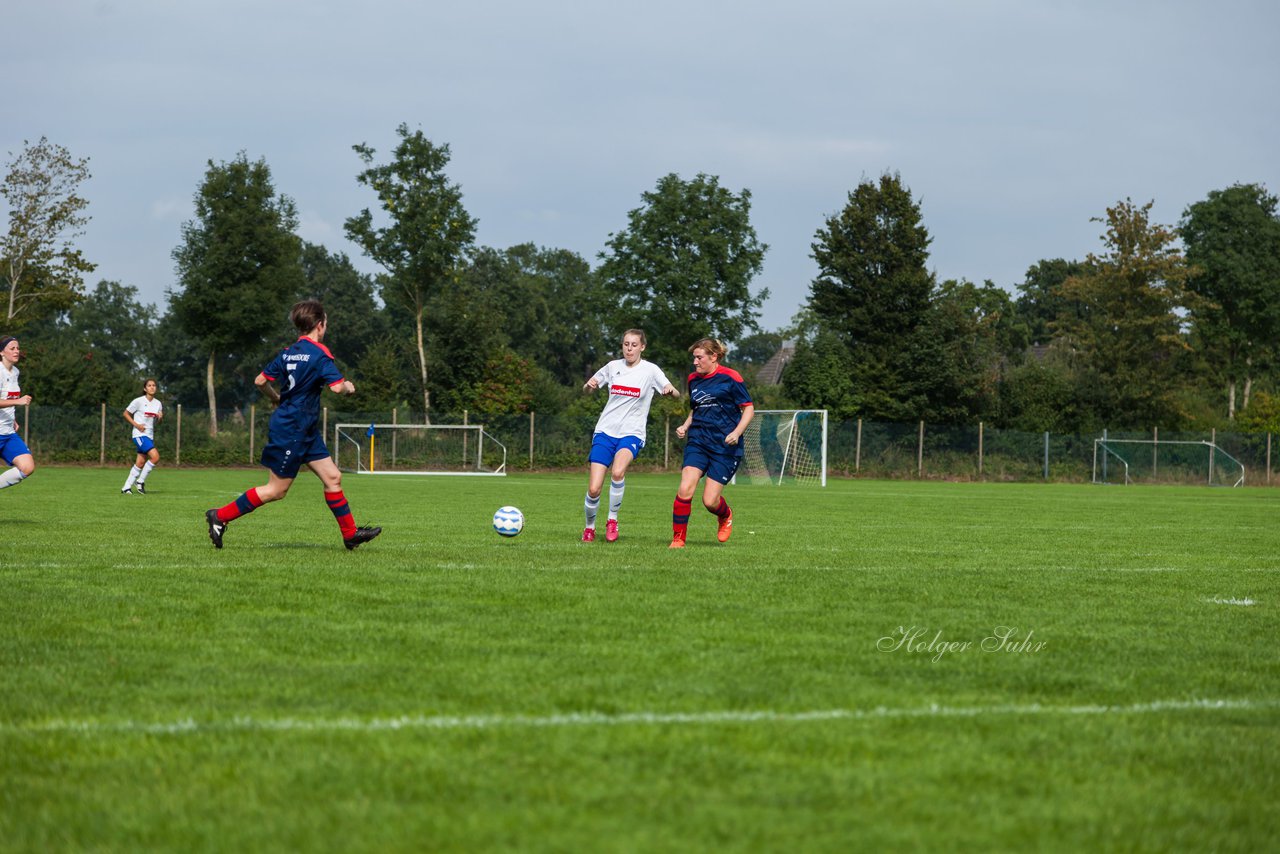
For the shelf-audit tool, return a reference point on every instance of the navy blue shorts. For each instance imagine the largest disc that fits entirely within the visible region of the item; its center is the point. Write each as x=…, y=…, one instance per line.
x=719, y=467
x=12, y=447
x=605, y=447
x=143, y=444
x=285, y=458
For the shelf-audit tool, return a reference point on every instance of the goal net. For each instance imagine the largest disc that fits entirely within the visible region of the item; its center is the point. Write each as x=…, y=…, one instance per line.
x=785, y=445
x=1123, y=461
x=446, y=449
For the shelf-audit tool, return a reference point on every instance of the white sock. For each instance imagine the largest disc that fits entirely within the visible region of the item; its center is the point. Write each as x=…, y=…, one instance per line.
x=12, y=477
x=133, y=476
x=592, y=507
x=616, y=488
x=146, y=470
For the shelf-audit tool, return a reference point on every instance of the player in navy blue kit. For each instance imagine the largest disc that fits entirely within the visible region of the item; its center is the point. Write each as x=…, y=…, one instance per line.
x=722, y=409
x=293, y=437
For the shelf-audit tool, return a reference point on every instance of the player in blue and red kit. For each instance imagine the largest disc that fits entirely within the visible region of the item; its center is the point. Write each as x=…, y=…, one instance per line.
x=293, y=436
x=722, y=409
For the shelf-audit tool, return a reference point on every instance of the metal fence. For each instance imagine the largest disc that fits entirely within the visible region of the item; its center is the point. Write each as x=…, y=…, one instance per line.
x=551, y=441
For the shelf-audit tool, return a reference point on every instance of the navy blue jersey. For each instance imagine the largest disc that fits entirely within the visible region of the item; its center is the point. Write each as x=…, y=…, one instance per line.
x=718, y=399
x=303, y=369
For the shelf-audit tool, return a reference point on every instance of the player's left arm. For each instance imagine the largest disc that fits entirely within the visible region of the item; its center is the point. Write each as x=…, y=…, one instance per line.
x=748, y=412
x=661, y=382
x=343, y=387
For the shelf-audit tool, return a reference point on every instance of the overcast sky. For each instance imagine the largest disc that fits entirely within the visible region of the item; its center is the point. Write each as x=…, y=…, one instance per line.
x=1013, y=123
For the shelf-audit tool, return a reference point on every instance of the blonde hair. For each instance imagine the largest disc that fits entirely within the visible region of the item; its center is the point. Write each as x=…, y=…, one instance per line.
x=712, y=346
x=639, y=333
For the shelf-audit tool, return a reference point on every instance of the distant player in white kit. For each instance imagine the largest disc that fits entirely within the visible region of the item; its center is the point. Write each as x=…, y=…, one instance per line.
x=620, y=430
x=13, y=450
x=142, y=414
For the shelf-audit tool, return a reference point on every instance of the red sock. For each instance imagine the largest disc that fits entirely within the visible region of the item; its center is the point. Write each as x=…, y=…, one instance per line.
x=680, y=515
x=723, y=510
x=338, y=504
x=246, y=503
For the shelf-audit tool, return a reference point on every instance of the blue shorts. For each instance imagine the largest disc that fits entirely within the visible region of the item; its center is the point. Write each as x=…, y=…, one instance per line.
x=143, y=444
x=716, y=466
x=604, y=448
x=286, y=456
x=12, y=447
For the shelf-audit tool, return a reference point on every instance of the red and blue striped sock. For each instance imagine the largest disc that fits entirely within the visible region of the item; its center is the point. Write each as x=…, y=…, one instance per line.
x=243, y=505
x=723, y=510
x=342, y=512
x=680, y=515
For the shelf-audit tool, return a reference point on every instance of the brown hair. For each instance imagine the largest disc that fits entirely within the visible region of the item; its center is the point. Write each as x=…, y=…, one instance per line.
x=639, y=333
x=307, y=315
x=149, y=380
x=712, y=346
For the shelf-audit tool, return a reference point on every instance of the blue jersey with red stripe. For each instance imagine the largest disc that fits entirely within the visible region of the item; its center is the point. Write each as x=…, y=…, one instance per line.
x=718, y=399
x=303, y=369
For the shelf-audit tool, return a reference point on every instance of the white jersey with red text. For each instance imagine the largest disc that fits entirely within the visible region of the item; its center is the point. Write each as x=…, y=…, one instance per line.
x=9, y=390
x=631, y=391
x=145, y=412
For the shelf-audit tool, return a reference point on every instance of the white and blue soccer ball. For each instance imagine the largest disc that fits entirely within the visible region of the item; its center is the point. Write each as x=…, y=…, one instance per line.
x=508, y=521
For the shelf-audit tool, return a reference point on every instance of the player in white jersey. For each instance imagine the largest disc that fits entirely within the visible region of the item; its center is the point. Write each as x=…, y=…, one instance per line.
x=13, y=450
x=142, y=414
x=620, y=430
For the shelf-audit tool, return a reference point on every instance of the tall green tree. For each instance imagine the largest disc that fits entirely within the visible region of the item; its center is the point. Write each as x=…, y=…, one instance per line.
x=820, y=375
x=682, y=268
x=42, y=271
x=1041, y=302
x=553, y=312
x=1128, y=339
x=238, y=264
x=873, y=290
x=97, y=351
x=569, y=333
x=465, y=330
x=428, y=233
x=348, y=295
x=1233, y=244
x=980, y=334
x=757, y=349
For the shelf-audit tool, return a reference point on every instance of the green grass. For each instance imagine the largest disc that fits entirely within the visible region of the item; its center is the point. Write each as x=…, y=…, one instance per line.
x=445, y=689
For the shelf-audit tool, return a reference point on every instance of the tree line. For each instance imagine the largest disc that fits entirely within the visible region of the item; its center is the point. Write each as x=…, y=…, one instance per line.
x=1167, y=325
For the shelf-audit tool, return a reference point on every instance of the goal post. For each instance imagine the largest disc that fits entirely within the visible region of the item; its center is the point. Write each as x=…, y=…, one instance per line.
x=785, y=446
x=1125, y=461
x=425, y=449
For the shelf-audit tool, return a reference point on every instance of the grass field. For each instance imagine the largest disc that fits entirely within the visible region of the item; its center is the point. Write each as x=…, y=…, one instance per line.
x=877, y=665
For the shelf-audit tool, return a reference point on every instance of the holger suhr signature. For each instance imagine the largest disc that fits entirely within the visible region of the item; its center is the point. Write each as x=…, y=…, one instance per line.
x=924, y=641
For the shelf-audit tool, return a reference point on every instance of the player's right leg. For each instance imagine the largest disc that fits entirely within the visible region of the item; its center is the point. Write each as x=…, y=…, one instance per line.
x=134, y=471
x=689, y=477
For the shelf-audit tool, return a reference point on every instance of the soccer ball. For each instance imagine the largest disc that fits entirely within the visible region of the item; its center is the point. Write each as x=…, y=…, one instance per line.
x=508, y=521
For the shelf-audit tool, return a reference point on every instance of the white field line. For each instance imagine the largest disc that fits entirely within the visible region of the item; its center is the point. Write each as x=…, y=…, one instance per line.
x=241, y=724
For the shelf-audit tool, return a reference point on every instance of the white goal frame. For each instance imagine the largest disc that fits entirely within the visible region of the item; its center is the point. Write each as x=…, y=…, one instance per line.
x=791, y=448
x=351, y=454
x=1102, y=451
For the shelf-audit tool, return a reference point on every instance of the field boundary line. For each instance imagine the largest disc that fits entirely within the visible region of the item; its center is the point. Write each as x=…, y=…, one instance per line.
x=587, y=719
